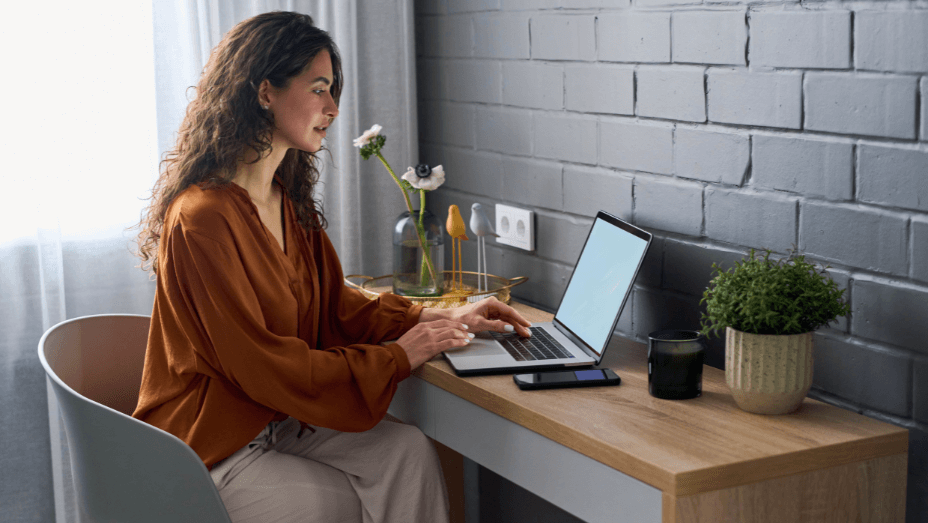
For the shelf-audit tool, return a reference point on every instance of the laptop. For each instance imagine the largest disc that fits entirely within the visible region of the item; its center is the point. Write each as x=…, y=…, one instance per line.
x=586, y=316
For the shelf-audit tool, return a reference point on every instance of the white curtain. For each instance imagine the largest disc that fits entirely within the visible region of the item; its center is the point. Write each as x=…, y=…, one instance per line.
x=94, y=94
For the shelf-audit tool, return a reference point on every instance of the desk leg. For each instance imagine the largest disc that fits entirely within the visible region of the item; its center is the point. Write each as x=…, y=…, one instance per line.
x=871, y=491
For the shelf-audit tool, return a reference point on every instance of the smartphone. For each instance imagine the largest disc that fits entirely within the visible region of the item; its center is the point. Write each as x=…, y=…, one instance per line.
x=566, y=378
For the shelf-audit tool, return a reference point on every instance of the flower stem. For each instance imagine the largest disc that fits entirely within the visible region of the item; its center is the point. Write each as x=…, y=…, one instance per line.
x=426, y=257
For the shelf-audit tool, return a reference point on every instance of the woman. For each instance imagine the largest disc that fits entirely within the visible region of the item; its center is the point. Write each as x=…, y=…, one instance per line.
x=259, y=357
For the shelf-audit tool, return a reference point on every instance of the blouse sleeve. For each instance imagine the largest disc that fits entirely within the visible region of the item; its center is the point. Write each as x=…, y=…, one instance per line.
x=345, y=388
x=356, y=318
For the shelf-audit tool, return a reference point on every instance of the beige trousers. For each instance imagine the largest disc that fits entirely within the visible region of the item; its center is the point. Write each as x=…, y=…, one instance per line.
x=390, y=473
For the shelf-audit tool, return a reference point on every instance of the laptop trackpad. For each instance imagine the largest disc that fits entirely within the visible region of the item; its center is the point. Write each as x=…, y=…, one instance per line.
x=482, y=345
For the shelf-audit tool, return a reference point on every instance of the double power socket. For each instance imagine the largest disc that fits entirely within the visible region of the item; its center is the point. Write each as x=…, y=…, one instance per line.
x=515, y=227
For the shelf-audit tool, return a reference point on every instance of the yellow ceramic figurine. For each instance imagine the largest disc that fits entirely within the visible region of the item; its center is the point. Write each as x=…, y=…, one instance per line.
x=457, y=231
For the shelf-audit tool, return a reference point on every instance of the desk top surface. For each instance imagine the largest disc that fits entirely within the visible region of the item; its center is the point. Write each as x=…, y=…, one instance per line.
x=685, y=446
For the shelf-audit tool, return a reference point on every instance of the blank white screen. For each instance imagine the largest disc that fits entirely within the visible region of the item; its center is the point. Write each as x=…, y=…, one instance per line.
x=603, y=276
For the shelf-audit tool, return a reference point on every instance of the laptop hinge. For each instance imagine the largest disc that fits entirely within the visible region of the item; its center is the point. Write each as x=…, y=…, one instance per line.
x=575, y=339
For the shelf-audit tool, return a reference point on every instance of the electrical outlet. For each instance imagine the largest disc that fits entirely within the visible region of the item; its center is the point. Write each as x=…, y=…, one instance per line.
x=515, y=227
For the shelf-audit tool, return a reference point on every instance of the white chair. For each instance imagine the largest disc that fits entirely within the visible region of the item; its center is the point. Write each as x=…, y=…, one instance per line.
x=124, y=470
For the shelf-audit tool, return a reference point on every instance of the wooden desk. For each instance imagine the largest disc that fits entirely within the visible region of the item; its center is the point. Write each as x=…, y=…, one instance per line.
x=618, y=454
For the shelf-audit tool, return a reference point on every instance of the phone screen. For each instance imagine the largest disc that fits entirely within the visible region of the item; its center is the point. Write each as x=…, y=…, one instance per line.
x=562, y=376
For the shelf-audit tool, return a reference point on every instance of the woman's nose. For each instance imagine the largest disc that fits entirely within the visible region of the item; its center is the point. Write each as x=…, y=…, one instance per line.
x=332, y=108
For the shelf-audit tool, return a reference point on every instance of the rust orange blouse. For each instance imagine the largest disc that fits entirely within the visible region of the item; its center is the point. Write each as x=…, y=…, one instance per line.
x=244, y=332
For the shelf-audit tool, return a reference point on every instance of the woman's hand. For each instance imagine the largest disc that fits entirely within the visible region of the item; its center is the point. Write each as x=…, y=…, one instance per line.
x=485, y=315
x=426, y=339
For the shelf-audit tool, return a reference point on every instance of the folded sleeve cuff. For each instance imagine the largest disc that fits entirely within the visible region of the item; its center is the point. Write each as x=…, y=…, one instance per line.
x=403, y=369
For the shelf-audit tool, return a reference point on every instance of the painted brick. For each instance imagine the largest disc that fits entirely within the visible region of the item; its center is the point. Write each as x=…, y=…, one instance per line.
x=861, y=104
x=757, y=220
x=636, y=147
x=661, y=3
x=565, y=137
x=471, y=171
x=430, y=80
x=843, y=279
x=710, y=156
x=924, y=103
x=546, y=280
x=892, y=176
x=676, y=93
x=656, y=310
x=634, y=37
x=429, y=7
x=600, y=88
x=588, y=190
x=880, y=379
x=709, y=37
x=451, y=123
x=521, y=5
x=563, y=37
x=560, y=237
x=501, y=36
x=504, y=130
x=767, y=99
x=467, y=6
x=473, y=81
x=854, y=235
x=814, y=39
x=919, y=260
x=688, y=266
x=920, y=390
x=533, y=183
x=883, y=311
x=447, y=36
x=809, y=167
x=891, y=40
x=668, y=204
x=652, y=267
x=530, y=84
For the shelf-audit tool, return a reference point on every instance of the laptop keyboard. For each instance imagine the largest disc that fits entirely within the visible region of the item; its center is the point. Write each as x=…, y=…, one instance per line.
x=540, y=346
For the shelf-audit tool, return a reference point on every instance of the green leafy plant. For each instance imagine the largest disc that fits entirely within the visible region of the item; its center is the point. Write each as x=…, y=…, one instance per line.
x=764, y=296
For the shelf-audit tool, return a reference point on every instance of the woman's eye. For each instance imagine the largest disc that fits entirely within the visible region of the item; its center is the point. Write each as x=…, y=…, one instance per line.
x=318, y=91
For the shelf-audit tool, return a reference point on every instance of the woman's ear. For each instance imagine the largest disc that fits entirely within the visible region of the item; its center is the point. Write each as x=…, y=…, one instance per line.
x=265, y=94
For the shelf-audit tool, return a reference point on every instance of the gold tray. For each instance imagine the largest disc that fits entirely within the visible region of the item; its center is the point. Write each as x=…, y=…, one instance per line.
x=497, y=286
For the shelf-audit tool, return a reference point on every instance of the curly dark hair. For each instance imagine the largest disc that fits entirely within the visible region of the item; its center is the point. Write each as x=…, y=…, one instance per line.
x=225, y=120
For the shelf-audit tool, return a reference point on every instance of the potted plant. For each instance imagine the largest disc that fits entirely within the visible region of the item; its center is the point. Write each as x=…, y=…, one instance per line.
x=769, y=309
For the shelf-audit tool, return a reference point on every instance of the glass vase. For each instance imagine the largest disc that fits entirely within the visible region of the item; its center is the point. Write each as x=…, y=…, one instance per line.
x=418, y=271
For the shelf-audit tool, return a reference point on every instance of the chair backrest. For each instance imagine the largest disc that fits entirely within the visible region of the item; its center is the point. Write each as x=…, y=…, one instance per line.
x=123, y=469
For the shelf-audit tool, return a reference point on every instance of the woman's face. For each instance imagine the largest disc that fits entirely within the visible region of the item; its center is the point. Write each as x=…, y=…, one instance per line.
x=304, y=109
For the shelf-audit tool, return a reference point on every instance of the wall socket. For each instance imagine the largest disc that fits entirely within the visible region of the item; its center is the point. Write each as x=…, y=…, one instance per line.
x=515, y=227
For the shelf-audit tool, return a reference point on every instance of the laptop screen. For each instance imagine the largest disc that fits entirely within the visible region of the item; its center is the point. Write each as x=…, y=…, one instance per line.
x=601, y=280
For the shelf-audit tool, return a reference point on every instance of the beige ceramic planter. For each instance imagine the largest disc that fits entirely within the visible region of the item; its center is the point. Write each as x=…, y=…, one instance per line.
x=768, y=374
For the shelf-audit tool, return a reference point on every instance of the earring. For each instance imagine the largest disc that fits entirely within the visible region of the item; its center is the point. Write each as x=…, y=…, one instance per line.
x=265, y=107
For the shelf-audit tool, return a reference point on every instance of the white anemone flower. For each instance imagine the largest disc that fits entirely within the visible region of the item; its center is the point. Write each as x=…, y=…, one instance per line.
x=369, y=134
x=424, y=177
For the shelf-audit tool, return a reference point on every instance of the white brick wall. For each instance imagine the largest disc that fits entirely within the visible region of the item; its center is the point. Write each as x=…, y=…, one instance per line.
x=563, y=37
x=634, y=37
x=749, y=98
x=721, y=126
x=600, y=88
x=806, y=166
x=710, y=37
x=711, y=156
x=875, y=105
x=893, y=177
x=668, y=204
x=813, y=39
x=501, y=36
x=636, y=147
x=530, y=84
x=894, y=41
x=571, y=138
x=674, y=93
